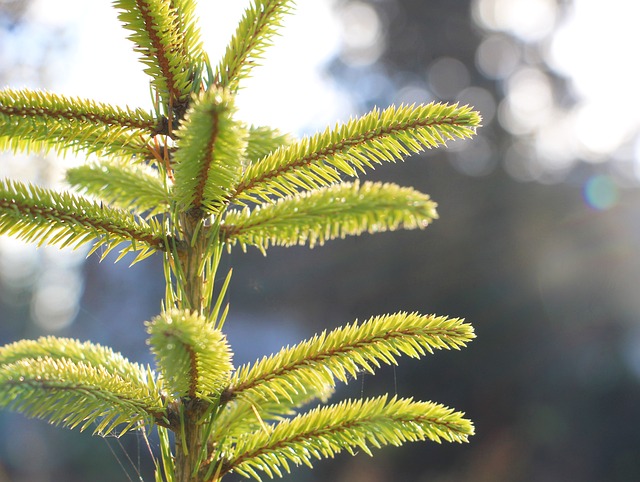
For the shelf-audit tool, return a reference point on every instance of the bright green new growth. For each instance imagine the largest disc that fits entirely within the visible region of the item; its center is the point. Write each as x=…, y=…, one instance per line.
x=33, y=121
x=72, y=383
x=188, y=181
x=192, y=355
x=122, y=185
x=351, y=425
x=342, y=209
x=345, y=352
x=44, y=216
x=211, y=149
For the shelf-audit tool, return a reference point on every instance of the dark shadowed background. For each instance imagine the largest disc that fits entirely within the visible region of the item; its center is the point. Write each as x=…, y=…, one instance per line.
x=538, y=245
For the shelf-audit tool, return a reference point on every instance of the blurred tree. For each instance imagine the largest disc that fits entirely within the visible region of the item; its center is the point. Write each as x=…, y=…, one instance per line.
x=549, y=276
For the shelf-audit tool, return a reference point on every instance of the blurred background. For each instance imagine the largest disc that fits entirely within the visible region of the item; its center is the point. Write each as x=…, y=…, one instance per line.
x=537, y=245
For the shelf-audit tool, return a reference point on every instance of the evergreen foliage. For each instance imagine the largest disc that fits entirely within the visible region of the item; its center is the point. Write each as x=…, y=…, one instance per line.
x=192, y=355
x=350, y=425
x=121, y=185
x=188, y=181
x=34, y=120
x=44, y=216
x=327, y=213
x=72, y=383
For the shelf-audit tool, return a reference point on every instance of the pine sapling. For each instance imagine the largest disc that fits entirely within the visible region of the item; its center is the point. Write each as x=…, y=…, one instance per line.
x=187, y=182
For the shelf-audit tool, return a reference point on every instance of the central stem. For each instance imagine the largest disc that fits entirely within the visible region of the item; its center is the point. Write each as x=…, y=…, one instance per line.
x=189, y=435
x=193, y=283
x=189, y=440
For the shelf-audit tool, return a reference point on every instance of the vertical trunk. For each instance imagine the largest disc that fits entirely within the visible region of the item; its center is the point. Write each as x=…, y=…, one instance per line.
x=192, y=264
x=189, y=445
x=189, y=436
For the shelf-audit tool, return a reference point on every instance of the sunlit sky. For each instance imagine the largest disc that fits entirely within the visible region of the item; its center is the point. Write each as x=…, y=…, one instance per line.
x=591, y=45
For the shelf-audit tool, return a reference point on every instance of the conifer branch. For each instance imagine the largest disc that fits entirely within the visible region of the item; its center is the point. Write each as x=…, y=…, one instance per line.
x=193, y=356
x=377, y=137
x=78, y=352
x=31, y=120
x=211, y=149
x=69, y=382
x=127, y=187
x=344, y=352
x=188, y=26
x=330, y=212
x=351, y=426
x=253, y=36
x=42, y=216
x=72, y=393
x=166, y=49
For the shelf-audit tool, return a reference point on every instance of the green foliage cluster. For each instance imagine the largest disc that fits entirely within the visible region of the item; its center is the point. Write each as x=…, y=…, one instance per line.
x=187, y=181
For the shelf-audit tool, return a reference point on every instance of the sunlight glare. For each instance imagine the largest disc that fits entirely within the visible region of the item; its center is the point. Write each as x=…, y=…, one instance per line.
x=581, y=78
x=530, y=20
